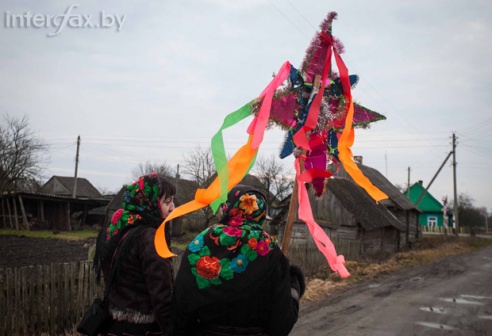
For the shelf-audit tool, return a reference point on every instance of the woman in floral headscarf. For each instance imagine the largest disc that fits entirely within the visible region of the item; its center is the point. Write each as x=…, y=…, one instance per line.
x=140, y=293
x=233, y=278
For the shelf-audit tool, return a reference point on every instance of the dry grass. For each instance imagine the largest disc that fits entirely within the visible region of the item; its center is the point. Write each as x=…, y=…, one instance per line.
x=428, y=250
x=68, y=235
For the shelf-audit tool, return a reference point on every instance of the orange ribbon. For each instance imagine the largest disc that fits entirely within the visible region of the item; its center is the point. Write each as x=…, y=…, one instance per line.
x=347, y=139
x=237, y=167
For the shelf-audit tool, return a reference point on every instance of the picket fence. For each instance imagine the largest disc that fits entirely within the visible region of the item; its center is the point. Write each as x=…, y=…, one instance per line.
x=48, y=299
x=45, y=299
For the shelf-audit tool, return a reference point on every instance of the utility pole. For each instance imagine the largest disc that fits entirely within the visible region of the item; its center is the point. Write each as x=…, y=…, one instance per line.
x=408, y=184
x=74, y=193
x=177, y=172
x=455, y=211
x=486, y=222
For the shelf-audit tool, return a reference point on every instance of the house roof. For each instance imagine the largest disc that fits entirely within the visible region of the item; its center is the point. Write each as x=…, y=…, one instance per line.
x=429, y=203
x=395, y=196
x=366, y=211
x=51, y=197
x=115, y=203
x=185, y=190
x=355, y=200
x=63, y=186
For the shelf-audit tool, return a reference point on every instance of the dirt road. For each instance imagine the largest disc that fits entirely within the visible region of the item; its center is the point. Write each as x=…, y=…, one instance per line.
x=452, y=296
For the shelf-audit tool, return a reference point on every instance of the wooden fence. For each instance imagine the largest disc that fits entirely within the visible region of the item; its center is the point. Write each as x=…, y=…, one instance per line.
x=47, y=299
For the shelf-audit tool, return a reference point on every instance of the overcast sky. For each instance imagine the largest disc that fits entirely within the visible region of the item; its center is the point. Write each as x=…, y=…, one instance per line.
x=159, y=78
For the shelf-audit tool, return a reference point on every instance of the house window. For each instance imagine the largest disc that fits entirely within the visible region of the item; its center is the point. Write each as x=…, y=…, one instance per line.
x=432, y=223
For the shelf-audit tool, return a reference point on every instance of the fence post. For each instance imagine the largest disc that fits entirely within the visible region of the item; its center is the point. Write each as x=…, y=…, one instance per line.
x=3, y=301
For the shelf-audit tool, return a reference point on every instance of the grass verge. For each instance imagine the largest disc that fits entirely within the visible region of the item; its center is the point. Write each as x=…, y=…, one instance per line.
x=70, y=235
x=430, y=249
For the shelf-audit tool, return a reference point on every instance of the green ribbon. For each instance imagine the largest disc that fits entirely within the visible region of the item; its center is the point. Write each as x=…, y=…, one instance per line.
x=219, y=154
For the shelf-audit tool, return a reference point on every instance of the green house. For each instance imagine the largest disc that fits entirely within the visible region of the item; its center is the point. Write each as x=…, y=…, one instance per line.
x=431, y=217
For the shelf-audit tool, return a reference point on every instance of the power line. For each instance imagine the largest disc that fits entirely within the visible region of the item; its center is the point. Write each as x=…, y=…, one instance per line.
x=305, y=19
x=285, y=16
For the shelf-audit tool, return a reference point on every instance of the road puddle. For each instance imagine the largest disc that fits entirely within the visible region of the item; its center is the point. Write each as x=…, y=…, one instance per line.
x=485, y=317
x=438, y=310
x=462, y=301
x=435, y=325
x=374, y=285
x=476, y=297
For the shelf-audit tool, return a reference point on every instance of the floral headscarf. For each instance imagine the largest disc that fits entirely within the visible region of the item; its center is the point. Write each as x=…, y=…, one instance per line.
x=140, y=208
x=227, y=250
x=140, y=200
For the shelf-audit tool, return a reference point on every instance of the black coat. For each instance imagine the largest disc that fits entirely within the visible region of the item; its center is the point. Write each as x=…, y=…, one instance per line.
x=143, y=286
x=266, y=307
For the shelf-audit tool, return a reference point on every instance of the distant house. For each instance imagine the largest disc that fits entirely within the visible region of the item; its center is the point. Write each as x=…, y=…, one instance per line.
x=397, y=203
x=431, y=217
x=354, y=222
x=53, y=207
x=64, y=186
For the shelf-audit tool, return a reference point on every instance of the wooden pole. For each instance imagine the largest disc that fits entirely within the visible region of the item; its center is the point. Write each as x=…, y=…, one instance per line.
x=290, y=219
x=69, y=226
x=74, y=191
x=23, y=211
x=16, y=218
x=4, y=217
x=291, y=215
x=10, y=214
x=455, y=192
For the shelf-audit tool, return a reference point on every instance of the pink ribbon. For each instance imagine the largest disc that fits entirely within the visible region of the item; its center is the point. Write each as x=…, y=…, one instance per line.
x=259, y=123
x=323, y=242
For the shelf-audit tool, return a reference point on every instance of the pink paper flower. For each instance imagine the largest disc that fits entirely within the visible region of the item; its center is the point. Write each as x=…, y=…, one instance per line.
x=116, y=216
x=234, y=221
x=263, y=248
x=233, y=232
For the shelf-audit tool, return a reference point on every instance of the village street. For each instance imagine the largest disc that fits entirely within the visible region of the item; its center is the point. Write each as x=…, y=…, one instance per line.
x=449, y=297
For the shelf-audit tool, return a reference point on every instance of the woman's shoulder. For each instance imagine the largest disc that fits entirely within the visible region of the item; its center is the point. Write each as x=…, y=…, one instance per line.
x=148, y=233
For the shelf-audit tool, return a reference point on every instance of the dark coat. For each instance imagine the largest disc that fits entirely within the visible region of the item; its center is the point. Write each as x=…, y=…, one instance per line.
x=267, y=307
x=142, y=290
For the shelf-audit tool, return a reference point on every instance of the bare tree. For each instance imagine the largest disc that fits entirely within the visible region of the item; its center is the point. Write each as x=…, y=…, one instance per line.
x=21, y=155
x=271, y=174
x=469, y=215
x=199, y=165
x=148, y=167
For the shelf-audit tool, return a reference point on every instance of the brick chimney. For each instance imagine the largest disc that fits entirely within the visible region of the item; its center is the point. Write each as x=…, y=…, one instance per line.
x=358, y=159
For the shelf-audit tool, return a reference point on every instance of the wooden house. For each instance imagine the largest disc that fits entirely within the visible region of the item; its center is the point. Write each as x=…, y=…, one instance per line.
x=53, y=207
x=397, y=203
x=65, y=186
x=431, y=217
x=354, y=222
